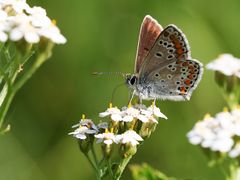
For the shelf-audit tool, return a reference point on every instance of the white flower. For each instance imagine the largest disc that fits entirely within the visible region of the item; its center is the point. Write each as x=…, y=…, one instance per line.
x=129, y=113
x=85, y=126
x=17, y=6
x=201, y=133
x=226, y=64
x=20, y=21
x=107, y=138
x=130, y=137
x=235, y=152
x=23, y=29
x=218, y=133
x=81, y=132
x=222, y=145
x=114, y=112
x=139, y=112
x=3, y=26
x=143, y=113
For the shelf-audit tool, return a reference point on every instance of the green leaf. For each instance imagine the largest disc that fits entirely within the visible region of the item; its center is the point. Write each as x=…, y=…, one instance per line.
x=146, y=172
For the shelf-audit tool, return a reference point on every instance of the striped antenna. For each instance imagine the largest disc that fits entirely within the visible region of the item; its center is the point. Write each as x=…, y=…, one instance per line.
x=110, y=73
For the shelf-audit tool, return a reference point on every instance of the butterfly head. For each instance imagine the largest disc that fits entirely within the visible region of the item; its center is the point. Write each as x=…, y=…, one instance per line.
x=131, y=80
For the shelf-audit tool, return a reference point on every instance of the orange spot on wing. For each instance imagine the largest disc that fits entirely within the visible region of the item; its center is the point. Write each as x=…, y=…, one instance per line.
x=190, y=76
x=182, y=89
x=187, y=82
x=185, y=64
x=178, y=45
x=180, y=51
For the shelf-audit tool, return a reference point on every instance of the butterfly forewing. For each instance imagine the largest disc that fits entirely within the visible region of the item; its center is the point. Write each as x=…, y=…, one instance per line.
x=149, y=32
x=168, y=71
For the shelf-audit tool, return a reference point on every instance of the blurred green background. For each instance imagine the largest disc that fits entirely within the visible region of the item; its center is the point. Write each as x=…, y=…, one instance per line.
x=102, y=36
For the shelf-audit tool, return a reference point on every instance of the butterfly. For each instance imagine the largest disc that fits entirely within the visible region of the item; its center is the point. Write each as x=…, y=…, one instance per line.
x=164, y=68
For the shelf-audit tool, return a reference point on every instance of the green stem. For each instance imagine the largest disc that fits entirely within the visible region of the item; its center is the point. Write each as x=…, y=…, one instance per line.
x=234, y=173
x=110, y=168
x=94, y=155
x=13, y=88
x=91, y=163
x=6, y=104
x=9, y=96
x=121, y=167
x=41, y=58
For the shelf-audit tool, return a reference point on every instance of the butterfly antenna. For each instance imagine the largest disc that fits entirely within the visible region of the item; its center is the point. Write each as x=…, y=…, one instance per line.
x=110, y=73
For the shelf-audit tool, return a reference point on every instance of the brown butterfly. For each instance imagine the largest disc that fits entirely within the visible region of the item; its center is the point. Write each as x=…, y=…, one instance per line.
x=164, y=68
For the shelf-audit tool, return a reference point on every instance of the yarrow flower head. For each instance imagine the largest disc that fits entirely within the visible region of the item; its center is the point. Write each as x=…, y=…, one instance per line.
x=114, y=112
x=130, y=137
x=84, y=127
x=218, y=133
x=226, y=64
x=139, y=112
x=124, y=130
x=20, y=21
x=106, y=137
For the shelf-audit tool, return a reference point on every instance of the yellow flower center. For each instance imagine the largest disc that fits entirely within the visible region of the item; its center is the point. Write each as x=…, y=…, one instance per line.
x=207, y=116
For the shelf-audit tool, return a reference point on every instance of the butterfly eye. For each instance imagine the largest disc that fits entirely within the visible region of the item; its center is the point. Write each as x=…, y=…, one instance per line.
x=133, y=80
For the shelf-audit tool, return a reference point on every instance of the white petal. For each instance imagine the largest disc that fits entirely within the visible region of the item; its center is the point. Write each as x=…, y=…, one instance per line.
x=158, y=113
x=104, y=114
x=99, y=136
x=81, y=136
x=206, y=143
x=108, y=141
x=226, y=64
x=31, y=37
x=116, y=117
x=142, y=118
x=195, y=140
x=3, y=37
x=127, y=118
x=16, y=35
x=91, y=131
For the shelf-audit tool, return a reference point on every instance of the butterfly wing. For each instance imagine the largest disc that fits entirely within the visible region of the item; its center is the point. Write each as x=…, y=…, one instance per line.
x=149, y=32
x=168, y=71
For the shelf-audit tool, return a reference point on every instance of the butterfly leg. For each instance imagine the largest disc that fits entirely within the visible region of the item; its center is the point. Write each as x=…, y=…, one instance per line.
x=154, y=102
x=140, y=100
x=131, y=97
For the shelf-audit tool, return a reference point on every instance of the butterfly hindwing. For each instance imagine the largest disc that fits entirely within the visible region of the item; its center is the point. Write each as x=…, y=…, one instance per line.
x=175, y=81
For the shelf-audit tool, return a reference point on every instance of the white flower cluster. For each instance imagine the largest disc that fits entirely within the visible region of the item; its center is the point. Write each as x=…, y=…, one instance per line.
x=85, y=127
x=226, y=64
x=140, y=112
x=218, y=133
x=127, y=115
x=20, y=21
